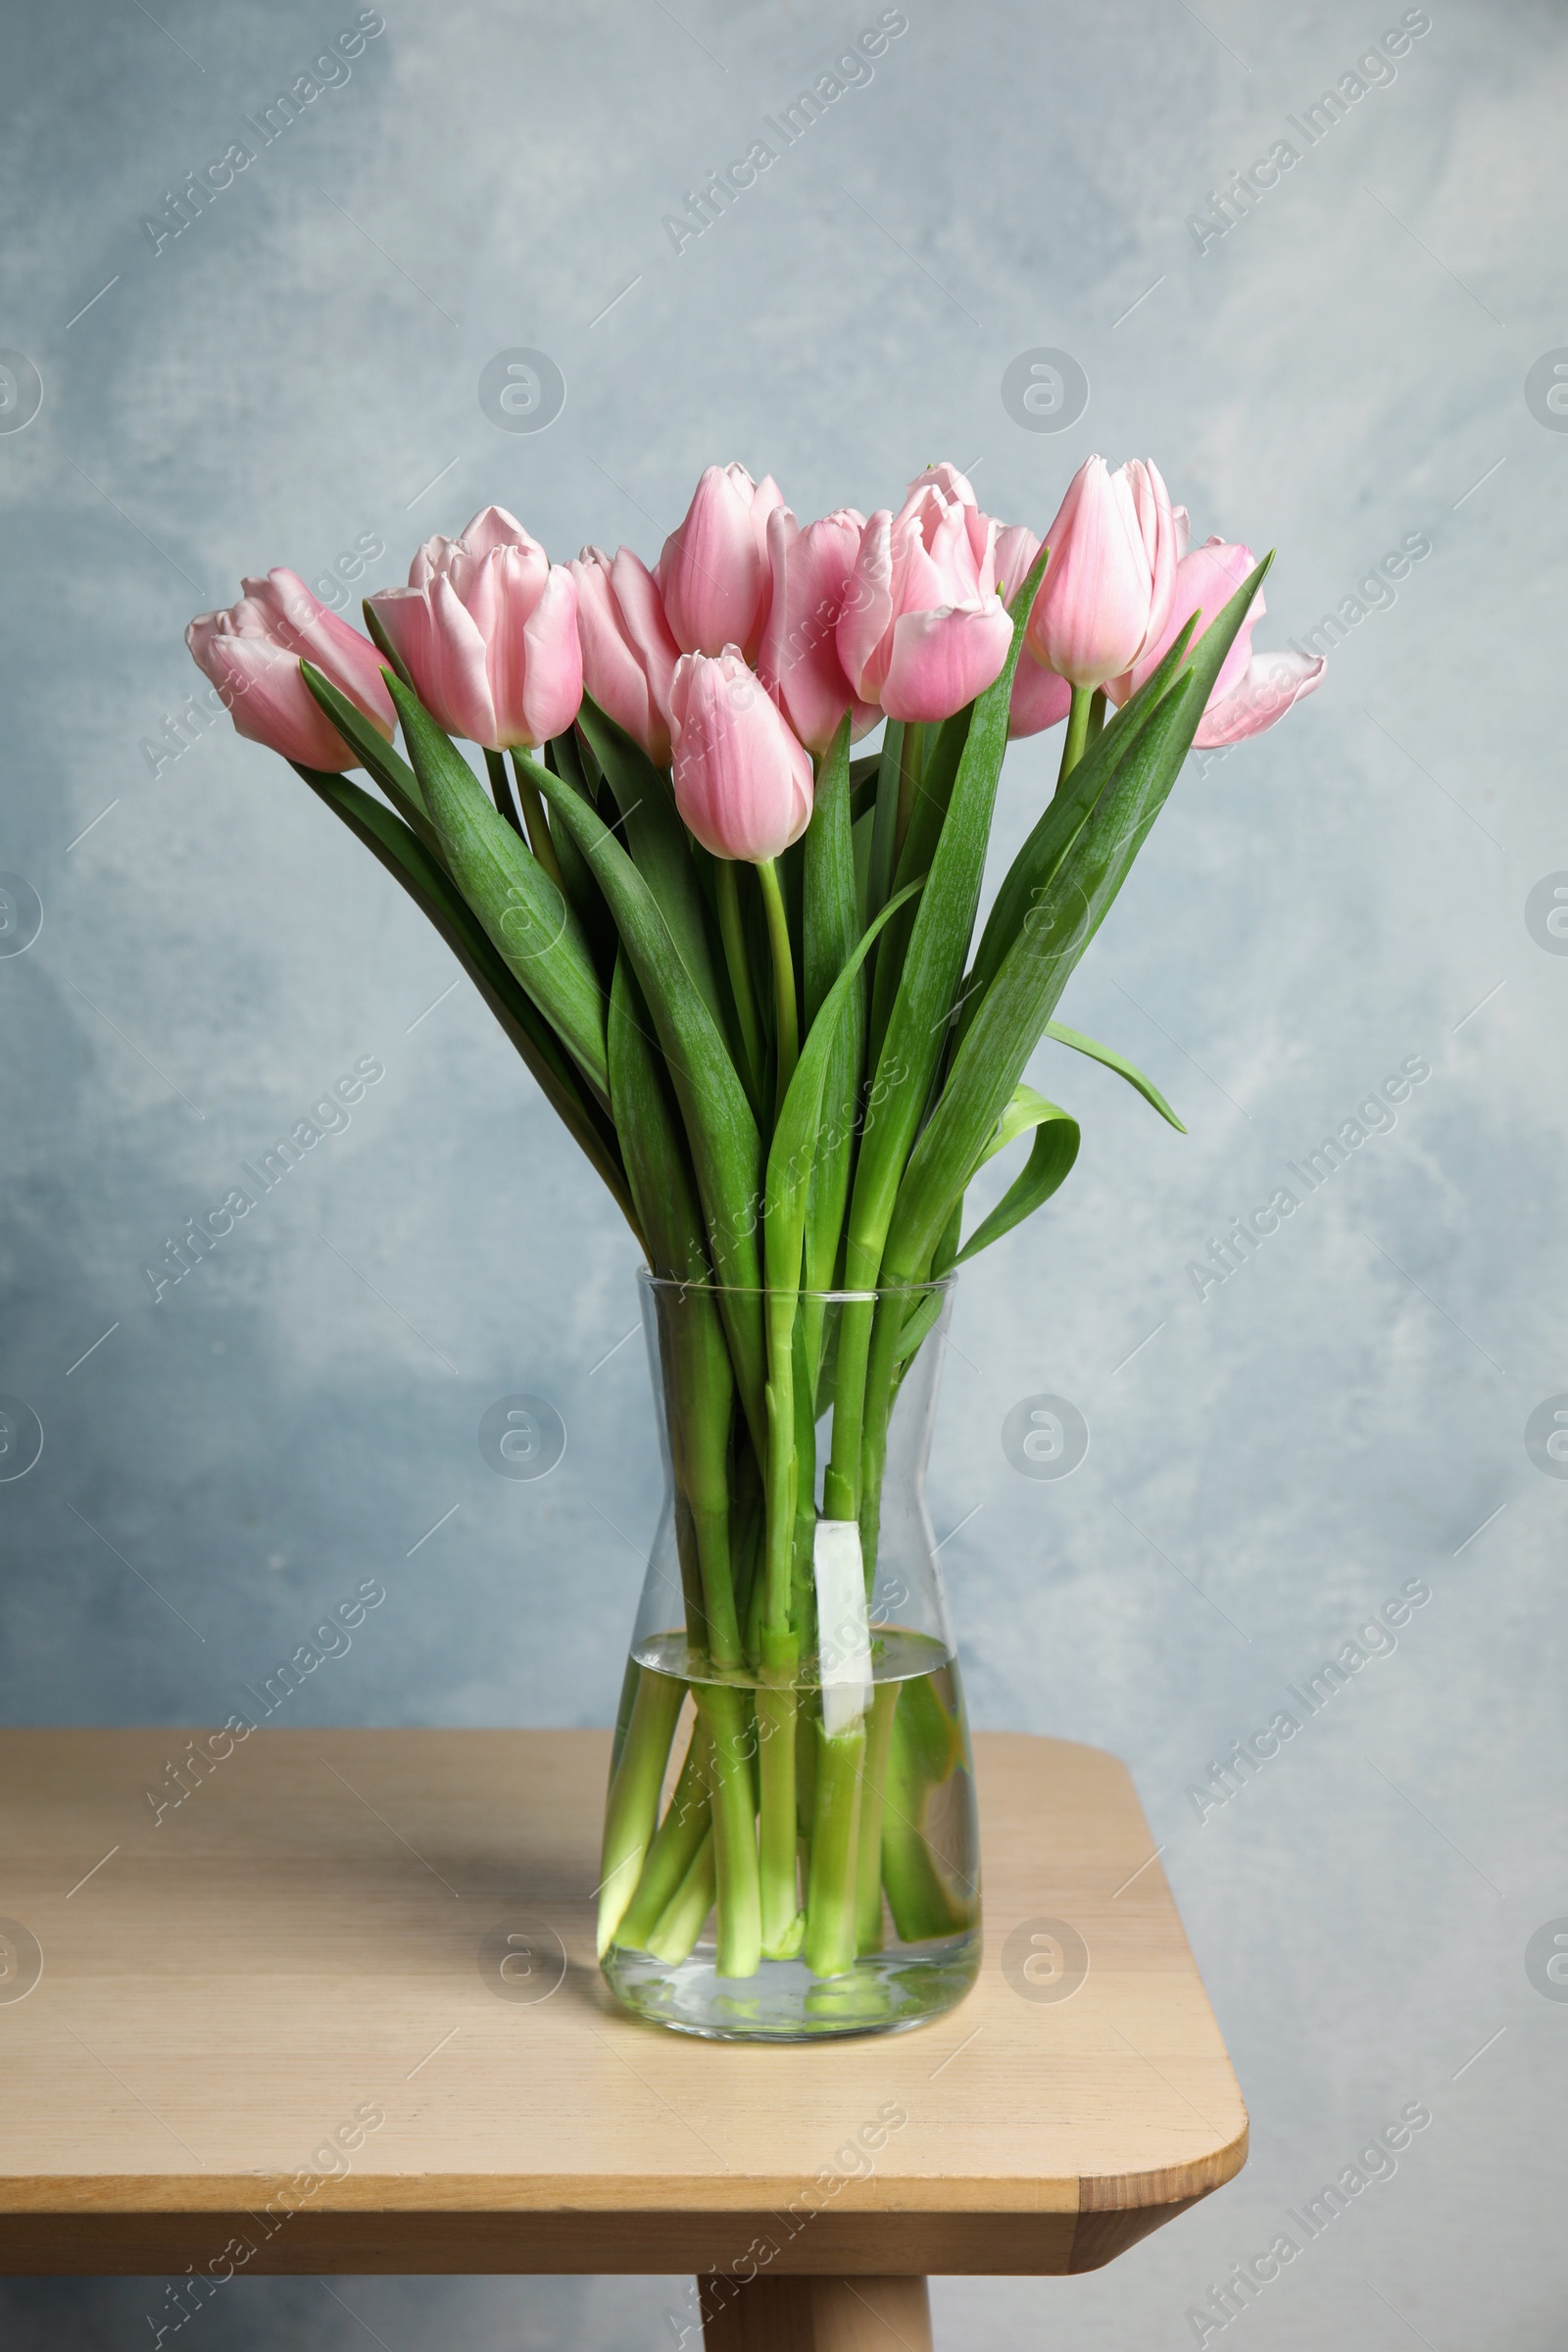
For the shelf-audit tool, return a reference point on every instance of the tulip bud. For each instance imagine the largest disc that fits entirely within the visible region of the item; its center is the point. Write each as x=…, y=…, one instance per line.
x=487, y=630
x=1040, y=699
x=252, y=654
x=922, y=629
x=798, y=660
x=743, y=783
x=1106, y=591
x=628, y=655
x=713, y=573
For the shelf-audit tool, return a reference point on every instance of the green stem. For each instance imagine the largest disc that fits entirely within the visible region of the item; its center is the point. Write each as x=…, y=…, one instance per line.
x=754, y=1615
x=533, y=811
x=803, y=1591
x=1077, y=742
x=912, y=764
x=732, y=931
x=777, y=1716
x=840, y=1483
x=739, y=1898
x=682, y=1921
x=925, y=1747
x=719, y=1590
x=778, y=935
x=631, y=1809
x=501, y=791
x=885, y=822
x=781, y=1458
x=746, y=1545
x=874, y=1804
x=700, y=1390
x=830, y=1940
x=809, y=1723
x=876, y=1407
x=691, y=1568
x=687, y=1822
x=776, y=1703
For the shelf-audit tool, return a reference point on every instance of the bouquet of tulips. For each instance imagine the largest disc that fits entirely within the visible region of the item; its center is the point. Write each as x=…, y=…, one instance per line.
x=742, y=966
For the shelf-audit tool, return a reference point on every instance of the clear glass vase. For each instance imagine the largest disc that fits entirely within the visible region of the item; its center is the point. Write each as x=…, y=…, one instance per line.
x=791, y=1846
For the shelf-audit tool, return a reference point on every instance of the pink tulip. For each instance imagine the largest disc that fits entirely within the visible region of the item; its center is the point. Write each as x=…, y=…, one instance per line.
x=1265, y=691
x=252, y=654
x=924, y=630
x=1205, y=580
x=487, y=630
x=628, y=655
x=799, y=658
x=1040, y=699
x=743, y=783
x=1253, y=690
x=713, y=572
x=1016, y=548
x=1114, y=547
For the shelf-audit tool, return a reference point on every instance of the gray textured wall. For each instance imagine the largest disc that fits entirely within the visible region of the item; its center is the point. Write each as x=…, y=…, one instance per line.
x=1345, y=369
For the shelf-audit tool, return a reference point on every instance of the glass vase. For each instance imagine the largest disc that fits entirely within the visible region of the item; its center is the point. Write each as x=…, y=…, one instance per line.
x=791, y=1846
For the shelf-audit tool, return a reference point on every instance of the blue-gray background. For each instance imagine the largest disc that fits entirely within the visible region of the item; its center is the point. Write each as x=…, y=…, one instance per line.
x=1345, y=369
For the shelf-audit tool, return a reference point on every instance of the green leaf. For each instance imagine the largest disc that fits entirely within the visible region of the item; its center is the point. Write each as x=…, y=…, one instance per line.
x=376, y=755
x=1050, y=1162
x=658, y=1164
x=1025, y=1111
x=1034, y=972
x=376, y=631
x=650, y=825
x=863, y=775
x=793, y=1151
x=581, y=889
x=1117, y=1062
x=429, y=885
x=533, y=929
x=725, y=1146
x=932, y=791
x=885, y=819
x=1031, y=872
x=830, y=924
x=1029, y=876
x=938, y=946
x=1055, y=928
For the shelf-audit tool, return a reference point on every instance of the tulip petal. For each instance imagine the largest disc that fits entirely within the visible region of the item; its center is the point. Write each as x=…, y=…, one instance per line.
x=494, y=527
x=799, y=662
x=743, y=783
x=550, y=672
x=1092, y=616
x=1016, y=548
x=439, y=645
x=284, y=608
x=648, y=630
x=867, y=613
x=611, y=672
x=942, y=660
x=1040, y=699
x=782, y=532
x=954, y=486
x=713, y=574
x=1205, y=582
x=260, y=685
x=1270, y=685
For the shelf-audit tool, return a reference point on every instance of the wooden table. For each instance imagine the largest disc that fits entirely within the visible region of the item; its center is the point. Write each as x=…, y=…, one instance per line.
x=336, y=2010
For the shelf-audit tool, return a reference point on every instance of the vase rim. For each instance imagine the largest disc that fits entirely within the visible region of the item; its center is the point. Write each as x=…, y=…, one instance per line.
x=937, y=1287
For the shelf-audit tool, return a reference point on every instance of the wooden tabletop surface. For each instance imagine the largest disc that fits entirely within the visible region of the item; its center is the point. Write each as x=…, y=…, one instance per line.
x=277, y=2027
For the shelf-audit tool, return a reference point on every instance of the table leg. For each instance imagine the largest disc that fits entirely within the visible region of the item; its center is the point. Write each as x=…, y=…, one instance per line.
x=815, y=2314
